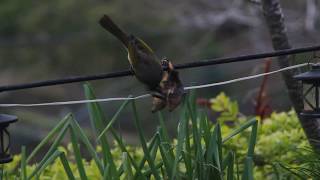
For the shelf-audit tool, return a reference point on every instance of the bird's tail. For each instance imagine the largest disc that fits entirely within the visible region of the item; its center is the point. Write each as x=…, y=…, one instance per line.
x=110, y=26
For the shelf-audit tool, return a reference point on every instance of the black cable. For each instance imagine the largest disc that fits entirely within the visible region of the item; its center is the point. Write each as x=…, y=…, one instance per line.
x=247, y=57
x=179, y=66
x=64, y=81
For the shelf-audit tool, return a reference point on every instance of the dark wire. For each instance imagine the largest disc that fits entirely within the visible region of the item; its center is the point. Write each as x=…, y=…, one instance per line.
x=206, y=62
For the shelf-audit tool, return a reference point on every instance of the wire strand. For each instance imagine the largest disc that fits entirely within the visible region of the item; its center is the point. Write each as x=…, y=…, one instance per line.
x=199, y=63
x=148, y=95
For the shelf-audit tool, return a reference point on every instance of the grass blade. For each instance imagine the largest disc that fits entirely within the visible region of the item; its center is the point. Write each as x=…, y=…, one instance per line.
x=217, y=151
x=143, y=142
x=52, y=149
x=164, y=138
x=127, y=167
x=76, y=128
x=23, y=164
x=181, y=136
x=197, y=142
x=124, y=149
x=66, y=166
x=163, y=127
x=98, y=120
x=248, y=167
x=113, y=119
x=166, y=161
x=49, y=137
x=151, y=149
x=229, y=164
x=205, y=128
x=248, y=170
x=239, y=130
x=45, y=163
x=187, y=154
x=77, y=154
x=253, y=139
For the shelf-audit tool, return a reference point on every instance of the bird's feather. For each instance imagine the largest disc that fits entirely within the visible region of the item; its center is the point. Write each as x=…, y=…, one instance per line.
x=110, y=26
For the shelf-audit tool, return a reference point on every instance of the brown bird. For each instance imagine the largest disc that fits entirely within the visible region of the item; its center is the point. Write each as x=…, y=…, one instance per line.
x=171, y=87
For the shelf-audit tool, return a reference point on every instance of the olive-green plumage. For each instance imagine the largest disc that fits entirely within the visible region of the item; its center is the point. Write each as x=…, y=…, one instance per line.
x=144, y=62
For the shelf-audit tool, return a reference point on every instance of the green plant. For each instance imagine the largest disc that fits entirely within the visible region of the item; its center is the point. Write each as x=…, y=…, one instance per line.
x=279, y=137
x=228, y=110
x=197, y=153
x=307, y=169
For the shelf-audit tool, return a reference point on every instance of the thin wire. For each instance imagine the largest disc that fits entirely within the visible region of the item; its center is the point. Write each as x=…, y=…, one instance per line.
x=246, y=78
x=205, y=62
x=148, y=95
x=75, y=102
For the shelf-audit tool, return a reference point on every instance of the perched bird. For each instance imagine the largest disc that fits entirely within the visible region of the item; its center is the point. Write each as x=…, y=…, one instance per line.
x=144, y=63
x=166, y=86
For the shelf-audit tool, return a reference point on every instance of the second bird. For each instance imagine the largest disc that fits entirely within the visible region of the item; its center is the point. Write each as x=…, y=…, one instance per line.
x=144, y=63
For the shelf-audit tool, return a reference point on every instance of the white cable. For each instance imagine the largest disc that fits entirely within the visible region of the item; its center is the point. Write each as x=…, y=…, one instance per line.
x=148, y=95
x=75, y=102
x=245, y=78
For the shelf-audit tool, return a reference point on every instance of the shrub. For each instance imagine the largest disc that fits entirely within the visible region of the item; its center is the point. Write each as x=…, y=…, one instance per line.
x=279, y=137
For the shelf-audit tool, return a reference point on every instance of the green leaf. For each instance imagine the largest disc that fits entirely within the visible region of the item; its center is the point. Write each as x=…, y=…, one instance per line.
x=127, y=167
x=66, y=166
x=181, y=136
x=76, y=128
x=98, y=120
x=44, y=164
x=49, y=137
x=23, y=167
x=166, y=157
x=113, y=119
x=77, y=154
x=52, y=149
x=240, y=129
x=248, y=169
x=143, y=142
x=228, y=162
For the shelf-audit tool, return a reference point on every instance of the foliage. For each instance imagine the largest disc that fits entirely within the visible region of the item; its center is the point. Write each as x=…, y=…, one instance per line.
x=228, y=110
x=308, y=169
x=281, y=151
x=196, y=153
x=279, y=137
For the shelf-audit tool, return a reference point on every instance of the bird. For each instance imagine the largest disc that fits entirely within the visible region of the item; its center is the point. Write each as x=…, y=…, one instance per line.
x=145, y=65
x=171, y=87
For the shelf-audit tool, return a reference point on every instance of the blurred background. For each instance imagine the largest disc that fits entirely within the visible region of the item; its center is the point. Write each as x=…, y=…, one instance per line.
x=47, y=39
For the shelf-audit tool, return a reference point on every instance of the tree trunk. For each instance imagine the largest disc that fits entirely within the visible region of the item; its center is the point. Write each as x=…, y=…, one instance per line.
x=275, y=22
